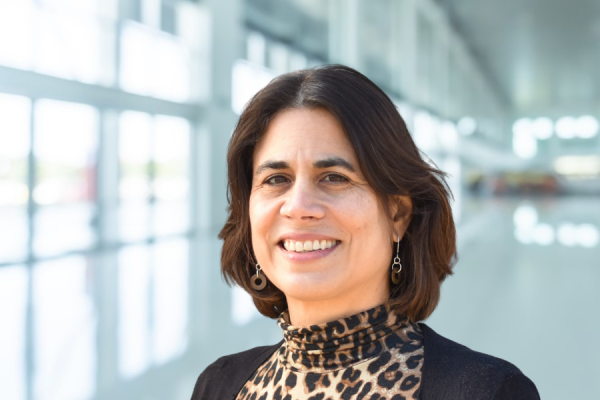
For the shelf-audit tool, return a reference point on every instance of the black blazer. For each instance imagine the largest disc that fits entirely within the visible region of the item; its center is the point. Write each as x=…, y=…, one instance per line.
x=450, y=372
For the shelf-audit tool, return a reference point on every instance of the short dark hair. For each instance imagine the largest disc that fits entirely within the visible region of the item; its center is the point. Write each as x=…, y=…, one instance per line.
x=390, y=162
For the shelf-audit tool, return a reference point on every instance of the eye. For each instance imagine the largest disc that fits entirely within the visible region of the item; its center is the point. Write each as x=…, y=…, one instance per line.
x=276, y=180
x=335, y=178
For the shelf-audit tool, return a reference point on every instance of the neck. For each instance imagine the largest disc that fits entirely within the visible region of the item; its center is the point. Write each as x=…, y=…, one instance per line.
x=304, y=312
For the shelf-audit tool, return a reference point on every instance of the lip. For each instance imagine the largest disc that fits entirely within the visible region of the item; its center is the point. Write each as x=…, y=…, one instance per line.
x=303, y=237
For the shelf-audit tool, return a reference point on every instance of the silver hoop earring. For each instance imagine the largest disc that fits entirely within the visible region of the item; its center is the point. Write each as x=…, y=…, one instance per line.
x=396, y=266
x=258, y=282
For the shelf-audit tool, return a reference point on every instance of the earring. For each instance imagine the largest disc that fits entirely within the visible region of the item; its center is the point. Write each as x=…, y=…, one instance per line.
x=396, y=273
x=258, y=282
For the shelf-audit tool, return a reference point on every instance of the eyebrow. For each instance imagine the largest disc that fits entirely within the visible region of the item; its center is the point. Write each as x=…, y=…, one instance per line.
x=334, y=162
x=325, y=163
x=271, y=165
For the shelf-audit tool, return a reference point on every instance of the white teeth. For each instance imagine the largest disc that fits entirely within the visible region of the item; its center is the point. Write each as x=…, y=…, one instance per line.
x=301, y=247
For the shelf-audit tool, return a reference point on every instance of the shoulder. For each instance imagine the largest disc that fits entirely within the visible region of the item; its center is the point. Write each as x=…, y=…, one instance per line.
x=225, y=377
x=452, y=370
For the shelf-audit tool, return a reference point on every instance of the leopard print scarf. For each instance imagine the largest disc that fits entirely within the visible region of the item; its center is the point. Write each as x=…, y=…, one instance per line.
x=375, y=354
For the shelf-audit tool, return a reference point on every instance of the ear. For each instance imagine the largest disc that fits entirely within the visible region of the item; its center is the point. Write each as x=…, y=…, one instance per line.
x=401, y=211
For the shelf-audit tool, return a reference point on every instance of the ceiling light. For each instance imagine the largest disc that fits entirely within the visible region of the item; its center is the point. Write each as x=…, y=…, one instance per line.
x=522, y=126
x=566, y=128
x=587, y=127
x=542, y=128
x=524, y=145
x=578, y=165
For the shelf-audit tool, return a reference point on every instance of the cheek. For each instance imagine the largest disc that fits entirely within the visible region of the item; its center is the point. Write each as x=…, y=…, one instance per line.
x=262, y=215
x=364, y=216
x=369, y=237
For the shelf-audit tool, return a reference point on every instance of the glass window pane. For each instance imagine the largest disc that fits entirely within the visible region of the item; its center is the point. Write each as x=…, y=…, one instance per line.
x=151, y=12
x=78, y=6
x=135, y=132
x=246, y=80
x=136, y=58
x=62, y=228
x=171, y=148
x=14, y=234
x=69, y=45
x=135, y=129
x=171, y=175
x=65, y=330
x=14, y=148
x=16, y=28
x=134, y=221
x=172, y=74
x=243, y=310
x=133, y=328
x=154, y=63
x=170, y=300
x=66, y=176
x=298, y=61
x=453, y=167
x=425, y=132
x=13, y=305
x=170, y=217
x=14, y=152
x=65, y=150
x=256, y=48
x=278, y=58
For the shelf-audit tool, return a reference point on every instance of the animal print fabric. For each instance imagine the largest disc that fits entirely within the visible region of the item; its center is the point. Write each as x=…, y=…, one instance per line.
x=374, y=355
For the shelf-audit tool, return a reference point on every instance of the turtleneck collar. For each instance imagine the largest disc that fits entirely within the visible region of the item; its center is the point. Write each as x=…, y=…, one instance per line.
x=347, y=341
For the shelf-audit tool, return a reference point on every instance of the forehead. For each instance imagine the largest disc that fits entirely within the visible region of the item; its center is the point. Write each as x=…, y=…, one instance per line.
x=296, y=134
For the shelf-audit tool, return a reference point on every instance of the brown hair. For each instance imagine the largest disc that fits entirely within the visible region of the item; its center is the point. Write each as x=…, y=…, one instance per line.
x=390, y=162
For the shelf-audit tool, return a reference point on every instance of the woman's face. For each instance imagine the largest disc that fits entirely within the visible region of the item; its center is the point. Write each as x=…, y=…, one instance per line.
x=319, y=231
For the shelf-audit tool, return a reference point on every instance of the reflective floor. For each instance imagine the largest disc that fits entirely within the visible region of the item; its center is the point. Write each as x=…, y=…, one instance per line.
x=132, y=324
x=526, y=289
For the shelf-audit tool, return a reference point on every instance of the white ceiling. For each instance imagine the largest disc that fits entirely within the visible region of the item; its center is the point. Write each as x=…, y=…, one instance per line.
x=543, y=54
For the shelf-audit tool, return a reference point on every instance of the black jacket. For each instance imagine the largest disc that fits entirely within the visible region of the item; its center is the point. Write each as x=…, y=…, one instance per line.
x=450, y=372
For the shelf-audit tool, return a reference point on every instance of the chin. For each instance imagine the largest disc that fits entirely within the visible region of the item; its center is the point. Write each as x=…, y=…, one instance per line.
x=303, y=289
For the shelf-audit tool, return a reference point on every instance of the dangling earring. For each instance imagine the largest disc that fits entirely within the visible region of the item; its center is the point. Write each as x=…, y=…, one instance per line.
x=396, y=273
x=258, y=282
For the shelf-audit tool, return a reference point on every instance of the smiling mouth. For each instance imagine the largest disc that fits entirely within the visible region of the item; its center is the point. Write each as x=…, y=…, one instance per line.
x=308, y=246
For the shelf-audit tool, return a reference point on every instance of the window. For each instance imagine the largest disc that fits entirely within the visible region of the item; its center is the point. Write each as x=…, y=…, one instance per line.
x=93, y=179
x=14, y=170
x=152, y=324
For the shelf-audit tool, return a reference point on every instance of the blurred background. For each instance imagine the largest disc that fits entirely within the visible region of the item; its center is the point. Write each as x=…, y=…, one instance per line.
x=114, y=121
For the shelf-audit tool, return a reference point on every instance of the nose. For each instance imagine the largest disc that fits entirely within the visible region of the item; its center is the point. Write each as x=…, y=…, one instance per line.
x=302, y=202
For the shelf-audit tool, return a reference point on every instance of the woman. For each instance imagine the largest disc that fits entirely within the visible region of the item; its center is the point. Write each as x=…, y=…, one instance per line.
x=339, y=229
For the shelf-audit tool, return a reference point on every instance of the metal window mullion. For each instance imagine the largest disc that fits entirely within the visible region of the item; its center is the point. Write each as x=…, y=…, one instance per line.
x=107, y=269
x=200, y=211
x=151, y=202
x=117, y=60
x=34, y=84
x=31, y=210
